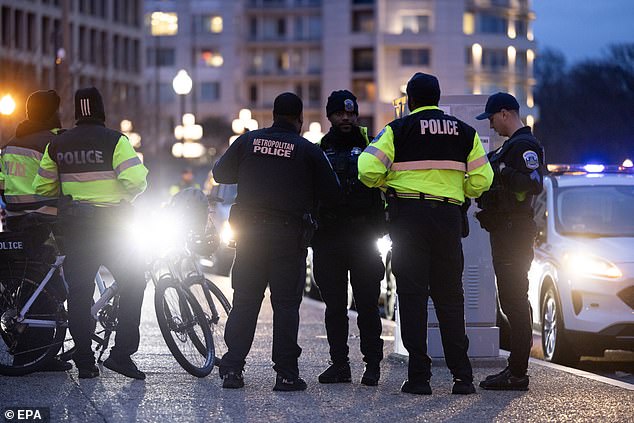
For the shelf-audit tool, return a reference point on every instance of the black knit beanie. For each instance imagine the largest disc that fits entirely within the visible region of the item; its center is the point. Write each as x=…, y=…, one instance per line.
x=42, y=105
x=342, y=100
x=424, y=89
x=89, y=105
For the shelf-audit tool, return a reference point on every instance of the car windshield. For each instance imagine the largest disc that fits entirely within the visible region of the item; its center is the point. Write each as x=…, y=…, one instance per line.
x=596, y=211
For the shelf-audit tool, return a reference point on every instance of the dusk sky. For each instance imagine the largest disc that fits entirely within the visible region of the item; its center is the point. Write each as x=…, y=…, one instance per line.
x=582, y=29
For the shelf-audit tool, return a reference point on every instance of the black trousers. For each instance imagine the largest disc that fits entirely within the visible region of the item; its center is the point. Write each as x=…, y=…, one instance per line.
x=427, y=261
x=512, y=251
x=88, y=245
x=266, y=254
x=335, y=253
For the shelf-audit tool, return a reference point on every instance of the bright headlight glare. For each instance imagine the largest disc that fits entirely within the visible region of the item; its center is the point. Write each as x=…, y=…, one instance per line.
x=384, y=244
x=155, y=233
x=585, y=264
x=227, y=233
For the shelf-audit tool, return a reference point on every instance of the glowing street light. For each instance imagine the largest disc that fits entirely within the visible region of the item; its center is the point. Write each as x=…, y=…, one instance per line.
x=189, y=132
x=243, y=123
x=314, y=133
x=182, y=83
x=7, y=105
x=135, y=139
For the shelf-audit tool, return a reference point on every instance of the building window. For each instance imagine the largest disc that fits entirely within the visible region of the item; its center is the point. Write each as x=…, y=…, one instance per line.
x=314, y=27
x=253, y=93
x=209, y=57
x=521, y=28
x=468, y=23
x=166, y=93
x=415, y=57
x=161, y=56
x=281, y=27
x=362, y=60
x=491, y=24
x=520, y=61
x=364, y=89
x=362, y=21
x=210, y=91
x=163, y=23
x=207, y=24
x=416, y=24
x=314, y=93
x=494, y=59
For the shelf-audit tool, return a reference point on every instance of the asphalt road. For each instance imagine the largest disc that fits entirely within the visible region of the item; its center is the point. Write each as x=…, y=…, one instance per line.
x=618, y=365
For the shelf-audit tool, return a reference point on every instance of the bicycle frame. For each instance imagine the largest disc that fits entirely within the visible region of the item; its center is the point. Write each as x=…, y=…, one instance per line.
x=105, y=294
x=35, y=322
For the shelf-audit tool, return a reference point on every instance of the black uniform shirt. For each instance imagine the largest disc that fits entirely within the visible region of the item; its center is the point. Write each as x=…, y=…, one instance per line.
x=520, y=161
x=278, y=171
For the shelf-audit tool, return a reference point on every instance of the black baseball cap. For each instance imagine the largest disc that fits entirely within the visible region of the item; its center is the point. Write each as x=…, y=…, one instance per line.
x=497, y=102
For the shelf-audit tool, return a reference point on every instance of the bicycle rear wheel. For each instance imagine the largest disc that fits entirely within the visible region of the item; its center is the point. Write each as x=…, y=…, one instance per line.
x=215, y=306
x=25, y=348
x=184, y=328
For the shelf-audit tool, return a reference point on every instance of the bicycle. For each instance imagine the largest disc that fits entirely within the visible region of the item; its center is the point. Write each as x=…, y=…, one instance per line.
x=34, y=321
x=180, y=268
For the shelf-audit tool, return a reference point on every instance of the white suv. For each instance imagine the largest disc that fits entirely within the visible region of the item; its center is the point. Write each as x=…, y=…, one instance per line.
x=581, y=282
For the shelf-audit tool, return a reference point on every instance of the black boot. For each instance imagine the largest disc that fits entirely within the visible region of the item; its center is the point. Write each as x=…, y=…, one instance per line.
x=371, y=375
x=336, y=373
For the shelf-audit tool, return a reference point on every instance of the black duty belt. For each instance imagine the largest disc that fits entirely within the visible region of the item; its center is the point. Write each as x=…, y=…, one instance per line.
x=426, y=197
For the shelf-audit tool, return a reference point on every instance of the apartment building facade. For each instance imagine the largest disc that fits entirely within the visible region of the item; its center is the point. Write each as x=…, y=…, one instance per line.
x=68, y=44
x=242, y=53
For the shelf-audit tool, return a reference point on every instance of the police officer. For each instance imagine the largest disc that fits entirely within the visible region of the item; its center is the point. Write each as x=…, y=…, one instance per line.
x=98, y=173
x=186, y=181
x=346, y=242
x=19, y=163
x=428, y=161
x=281, y=177
x=507, y=214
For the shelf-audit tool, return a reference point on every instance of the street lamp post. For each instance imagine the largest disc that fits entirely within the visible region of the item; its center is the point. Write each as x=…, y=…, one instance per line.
x=182, y=84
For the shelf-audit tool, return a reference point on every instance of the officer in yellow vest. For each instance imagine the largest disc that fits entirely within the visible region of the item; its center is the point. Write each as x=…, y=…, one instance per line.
x=99, y=174
x=25, y=210
x=20, y=161
x=428, y=162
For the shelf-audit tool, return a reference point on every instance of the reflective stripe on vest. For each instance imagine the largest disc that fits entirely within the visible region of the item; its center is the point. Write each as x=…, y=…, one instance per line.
x=474, y=164
x=430, y=164
x=88, y=176
x=126, y=164
x=25, y=152
x=383, y=158
x=47, y=174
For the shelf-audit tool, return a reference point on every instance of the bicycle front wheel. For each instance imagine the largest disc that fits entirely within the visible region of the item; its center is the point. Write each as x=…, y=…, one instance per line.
x=26, y=345
x=215, y=306
x=184, y=328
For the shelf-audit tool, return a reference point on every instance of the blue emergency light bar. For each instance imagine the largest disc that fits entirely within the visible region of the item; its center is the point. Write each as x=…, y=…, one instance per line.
x=577, y=169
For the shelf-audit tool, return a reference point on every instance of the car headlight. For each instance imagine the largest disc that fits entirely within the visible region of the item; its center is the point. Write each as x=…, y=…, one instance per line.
x=588, y=265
